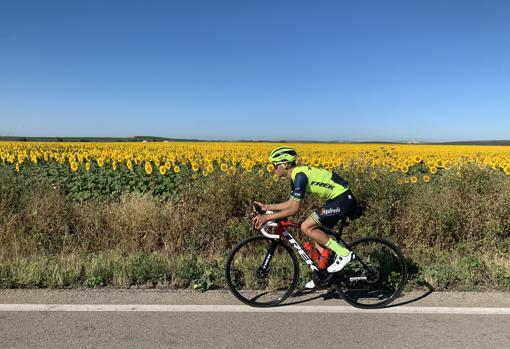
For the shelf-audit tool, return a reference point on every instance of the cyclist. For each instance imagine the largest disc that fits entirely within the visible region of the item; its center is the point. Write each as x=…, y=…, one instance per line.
x=340, y=202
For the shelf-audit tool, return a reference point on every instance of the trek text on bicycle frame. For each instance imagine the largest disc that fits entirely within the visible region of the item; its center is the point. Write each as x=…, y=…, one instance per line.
x=282, y=231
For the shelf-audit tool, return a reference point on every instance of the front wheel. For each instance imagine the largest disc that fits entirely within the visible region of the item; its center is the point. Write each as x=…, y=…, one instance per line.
x=375, y=277
x=262, y=272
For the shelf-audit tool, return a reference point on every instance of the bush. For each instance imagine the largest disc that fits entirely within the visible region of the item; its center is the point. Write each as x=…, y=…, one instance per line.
x=452, y=229
x=145, y=268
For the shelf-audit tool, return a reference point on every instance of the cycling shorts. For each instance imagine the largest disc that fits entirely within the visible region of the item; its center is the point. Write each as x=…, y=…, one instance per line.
x=334, y=210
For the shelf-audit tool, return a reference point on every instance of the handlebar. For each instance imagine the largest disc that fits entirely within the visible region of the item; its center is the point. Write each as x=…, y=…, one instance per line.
x=273, y=223
x=263, y=230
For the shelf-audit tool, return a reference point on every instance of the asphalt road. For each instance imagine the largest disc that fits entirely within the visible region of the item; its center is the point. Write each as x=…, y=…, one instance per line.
x=239, y=327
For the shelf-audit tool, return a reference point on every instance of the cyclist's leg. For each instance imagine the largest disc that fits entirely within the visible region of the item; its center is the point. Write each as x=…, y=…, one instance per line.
x=319, y=247
x=311, y=229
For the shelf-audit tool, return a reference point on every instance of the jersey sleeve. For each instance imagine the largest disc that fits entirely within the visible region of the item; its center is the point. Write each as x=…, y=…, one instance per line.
x=299, y=186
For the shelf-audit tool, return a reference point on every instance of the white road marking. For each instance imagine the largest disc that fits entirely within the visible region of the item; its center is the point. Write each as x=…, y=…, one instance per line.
x=246, y=309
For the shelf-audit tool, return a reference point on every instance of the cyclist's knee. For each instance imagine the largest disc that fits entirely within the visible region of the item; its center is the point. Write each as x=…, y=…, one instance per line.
x=306, y=228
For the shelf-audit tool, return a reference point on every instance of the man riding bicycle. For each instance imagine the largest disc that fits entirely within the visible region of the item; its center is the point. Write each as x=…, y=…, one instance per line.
x=340, y=202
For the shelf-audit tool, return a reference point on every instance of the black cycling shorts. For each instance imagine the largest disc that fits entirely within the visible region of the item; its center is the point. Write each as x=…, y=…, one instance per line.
x=334, y=210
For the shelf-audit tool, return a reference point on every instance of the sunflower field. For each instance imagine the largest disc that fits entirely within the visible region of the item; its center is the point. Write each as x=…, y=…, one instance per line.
x=167, y=213
x=91, y=170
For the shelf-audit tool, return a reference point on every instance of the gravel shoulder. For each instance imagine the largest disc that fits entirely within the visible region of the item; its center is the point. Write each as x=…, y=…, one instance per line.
x=220, y=297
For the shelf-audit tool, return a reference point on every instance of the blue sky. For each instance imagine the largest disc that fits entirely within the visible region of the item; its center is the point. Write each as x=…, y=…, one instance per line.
x=325, y=70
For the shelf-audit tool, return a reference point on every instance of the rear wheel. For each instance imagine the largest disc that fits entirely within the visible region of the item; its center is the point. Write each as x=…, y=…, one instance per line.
x=379, y=280
x=262, y=272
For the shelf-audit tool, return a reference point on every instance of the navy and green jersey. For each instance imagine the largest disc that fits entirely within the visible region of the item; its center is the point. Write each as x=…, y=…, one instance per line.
x=319, y=181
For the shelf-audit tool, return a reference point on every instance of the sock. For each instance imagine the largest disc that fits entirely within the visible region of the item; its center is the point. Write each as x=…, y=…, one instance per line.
x=339, y=249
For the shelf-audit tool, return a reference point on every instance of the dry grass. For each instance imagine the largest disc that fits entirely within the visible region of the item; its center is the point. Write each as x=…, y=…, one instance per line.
x=453, y=229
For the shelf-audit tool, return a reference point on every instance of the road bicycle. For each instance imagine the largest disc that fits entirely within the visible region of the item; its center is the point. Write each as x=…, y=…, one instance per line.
x=263, y=270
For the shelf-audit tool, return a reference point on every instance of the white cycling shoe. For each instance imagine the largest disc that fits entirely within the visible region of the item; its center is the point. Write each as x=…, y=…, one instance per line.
x=310, y=285
x=340, y=262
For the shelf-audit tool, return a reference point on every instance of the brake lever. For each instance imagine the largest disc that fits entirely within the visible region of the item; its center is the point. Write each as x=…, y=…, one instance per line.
x=258, y=208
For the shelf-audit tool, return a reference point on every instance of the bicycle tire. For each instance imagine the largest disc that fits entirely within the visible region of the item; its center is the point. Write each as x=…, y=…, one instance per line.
x=239, y=268
x=369, y=294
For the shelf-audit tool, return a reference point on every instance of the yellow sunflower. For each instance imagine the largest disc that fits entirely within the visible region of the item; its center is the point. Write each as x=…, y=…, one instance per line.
x=148, y=167
x=231, y=171
x=404, y=168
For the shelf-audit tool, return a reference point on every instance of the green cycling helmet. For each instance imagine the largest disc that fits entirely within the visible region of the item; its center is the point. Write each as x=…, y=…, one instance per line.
x=282, y=155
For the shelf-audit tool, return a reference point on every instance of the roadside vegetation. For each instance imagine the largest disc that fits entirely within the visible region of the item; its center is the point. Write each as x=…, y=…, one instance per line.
x=454, y=227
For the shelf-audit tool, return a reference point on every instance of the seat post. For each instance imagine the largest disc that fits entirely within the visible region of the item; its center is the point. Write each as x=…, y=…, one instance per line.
x=342, y=225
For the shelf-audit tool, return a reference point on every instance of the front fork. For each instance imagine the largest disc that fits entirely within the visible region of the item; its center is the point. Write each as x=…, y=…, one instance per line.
x=264, y=270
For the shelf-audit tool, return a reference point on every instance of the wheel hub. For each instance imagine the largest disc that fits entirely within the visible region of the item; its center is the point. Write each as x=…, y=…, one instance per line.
x=263, y=273
x=372, y=275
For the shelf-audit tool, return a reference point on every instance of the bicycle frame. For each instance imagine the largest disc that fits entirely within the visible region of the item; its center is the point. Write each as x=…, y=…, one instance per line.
x=282, y=225
x=299, y=250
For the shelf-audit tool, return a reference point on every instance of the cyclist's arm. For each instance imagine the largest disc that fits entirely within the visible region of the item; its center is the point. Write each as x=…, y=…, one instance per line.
x=292, y=207
x=298, y=192
x=279, y=207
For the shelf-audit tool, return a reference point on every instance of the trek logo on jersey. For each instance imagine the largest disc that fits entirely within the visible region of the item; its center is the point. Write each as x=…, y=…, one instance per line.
x=324, y=185
x=330, y=211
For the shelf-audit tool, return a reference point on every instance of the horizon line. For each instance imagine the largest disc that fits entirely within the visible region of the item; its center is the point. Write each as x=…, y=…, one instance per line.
x=163, y=139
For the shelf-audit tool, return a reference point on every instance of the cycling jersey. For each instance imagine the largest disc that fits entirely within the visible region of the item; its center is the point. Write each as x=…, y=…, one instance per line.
x=325, y=184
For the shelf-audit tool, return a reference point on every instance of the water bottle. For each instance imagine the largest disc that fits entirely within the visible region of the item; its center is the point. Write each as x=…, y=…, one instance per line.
x=324, y=259
x=312, y=251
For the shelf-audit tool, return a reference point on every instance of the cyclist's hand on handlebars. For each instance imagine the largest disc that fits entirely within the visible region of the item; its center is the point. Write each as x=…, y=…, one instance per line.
x=260, y=220
x=262, y=206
